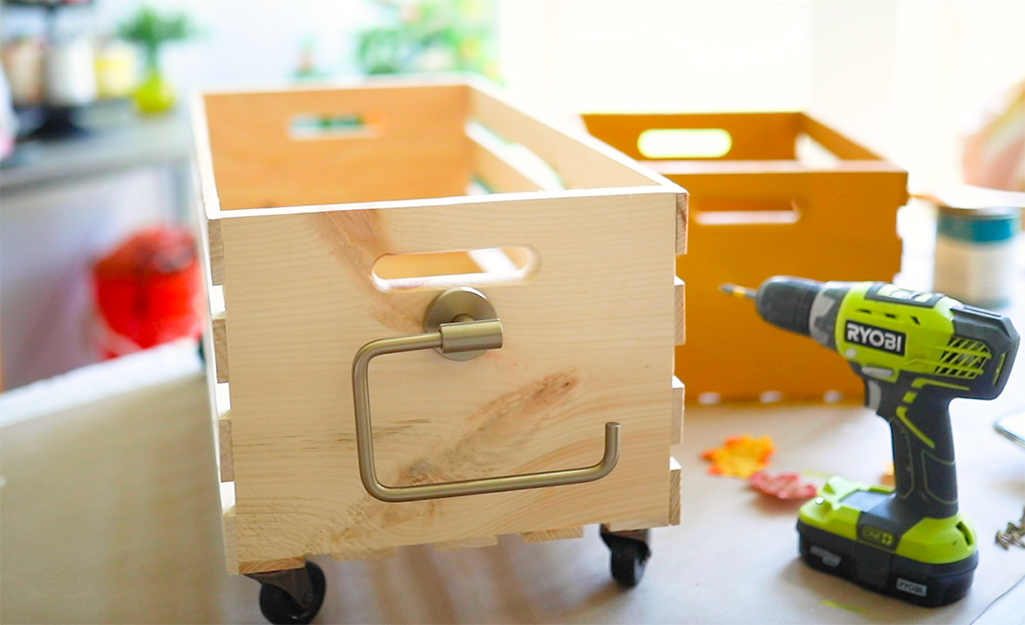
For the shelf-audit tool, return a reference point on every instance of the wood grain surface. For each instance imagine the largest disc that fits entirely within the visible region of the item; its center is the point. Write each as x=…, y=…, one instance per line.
x=588, y=330
x=257, y=163
x=581, y=161
x=300, y=301
x=753, y=136
x=549, y=535
x=220, y=336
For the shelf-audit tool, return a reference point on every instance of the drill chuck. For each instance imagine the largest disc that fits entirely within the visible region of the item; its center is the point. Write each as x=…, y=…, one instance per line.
x=786, y=302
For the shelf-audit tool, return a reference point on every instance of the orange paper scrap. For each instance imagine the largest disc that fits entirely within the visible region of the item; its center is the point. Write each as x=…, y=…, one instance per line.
x=741, y=456
x=783, y=485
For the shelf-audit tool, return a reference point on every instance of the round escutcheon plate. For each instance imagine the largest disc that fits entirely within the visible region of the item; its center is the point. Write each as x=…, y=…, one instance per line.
x=454, y=305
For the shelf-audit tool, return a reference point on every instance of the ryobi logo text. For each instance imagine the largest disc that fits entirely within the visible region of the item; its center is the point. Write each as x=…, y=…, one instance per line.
x=876, y=338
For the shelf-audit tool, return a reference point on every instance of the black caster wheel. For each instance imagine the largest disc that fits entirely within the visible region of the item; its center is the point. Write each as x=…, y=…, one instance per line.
x=280, y=608
x=629, y=556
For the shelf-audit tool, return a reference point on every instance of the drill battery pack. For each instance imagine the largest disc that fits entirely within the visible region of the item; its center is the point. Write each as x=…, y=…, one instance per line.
x=924, y=584
x=849, y=531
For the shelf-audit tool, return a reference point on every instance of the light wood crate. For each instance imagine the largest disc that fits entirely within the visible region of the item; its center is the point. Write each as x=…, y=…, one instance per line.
x=756, y=211
x=304, y=191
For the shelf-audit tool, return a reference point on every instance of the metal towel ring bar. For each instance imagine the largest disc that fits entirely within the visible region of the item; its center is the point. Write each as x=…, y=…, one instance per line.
x=464, y=336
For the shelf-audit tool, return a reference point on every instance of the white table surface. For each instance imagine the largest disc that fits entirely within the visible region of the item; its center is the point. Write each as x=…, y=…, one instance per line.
x=109, y=514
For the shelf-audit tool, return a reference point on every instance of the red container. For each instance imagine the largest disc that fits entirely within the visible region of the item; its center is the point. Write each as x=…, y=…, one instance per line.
x=147, y=292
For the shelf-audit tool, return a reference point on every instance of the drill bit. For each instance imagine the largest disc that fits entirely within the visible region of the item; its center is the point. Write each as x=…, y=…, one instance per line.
x=738, y=291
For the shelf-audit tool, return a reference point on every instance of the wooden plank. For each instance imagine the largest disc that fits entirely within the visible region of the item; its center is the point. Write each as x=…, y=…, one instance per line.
x=673, y=517
x=754, y=136
x=204, y=166
x=681, y=308
x=637, y=524
x=582, y=162
x=675, y=491
x=818, y=197
x=267, y=566
x=545, y=536
x=230, y=541
x=839, y=209
x=496, y=171
x=466, y=543
x=682, y=215
x=671, y=168
x=220, y=332
x=683, y=167
x=257, y=163
x=229, y=526
x=835, y=142
x=678, y=407
x=435, y=419
x=227, y=466
x=215, y=249
x=371, y=554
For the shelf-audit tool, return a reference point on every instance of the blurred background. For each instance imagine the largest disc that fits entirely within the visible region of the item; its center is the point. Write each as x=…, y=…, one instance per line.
x=96, y=142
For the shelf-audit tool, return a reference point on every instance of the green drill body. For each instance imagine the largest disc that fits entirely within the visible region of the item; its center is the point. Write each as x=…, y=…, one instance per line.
x=915, y=352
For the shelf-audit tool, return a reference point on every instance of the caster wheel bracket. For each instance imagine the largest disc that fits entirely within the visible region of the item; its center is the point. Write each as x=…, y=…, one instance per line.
x=296, y=582
x=292, y=597
x=630, y=552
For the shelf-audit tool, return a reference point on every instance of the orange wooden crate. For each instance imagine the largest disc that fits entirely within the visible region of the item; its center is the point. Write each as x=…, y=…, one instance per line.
x=755, y=212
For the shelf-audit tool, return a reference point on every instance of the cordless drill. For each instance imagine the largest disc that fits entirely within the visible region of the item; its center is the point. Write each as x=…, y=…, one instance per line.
x=915, y=352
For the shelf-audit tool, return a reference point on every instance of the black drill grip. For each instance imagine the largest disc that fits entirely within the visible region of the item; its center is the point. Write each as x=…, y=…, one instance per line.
x=923, y=450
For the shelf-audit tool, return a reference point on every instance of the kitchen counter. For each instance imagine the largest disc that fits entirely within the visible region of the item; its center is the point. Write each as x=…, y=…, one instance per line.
x=116, y=139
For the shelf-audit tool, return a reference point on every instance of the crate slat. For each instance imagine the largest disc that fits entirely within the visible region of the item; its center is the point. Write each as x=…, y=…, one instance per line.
x=549, y=535
x=466, y=543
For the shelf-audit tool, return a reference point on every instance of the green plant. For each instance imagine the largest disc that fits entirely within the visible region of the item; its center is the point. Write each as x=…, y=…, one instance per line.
x=151, y=30
x=431, y=35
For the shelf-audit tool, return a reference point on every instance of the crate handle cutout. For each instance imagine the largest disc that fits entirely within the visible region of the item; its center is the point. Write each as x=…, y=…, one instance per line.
x=463, y=335
x=685, y=143
x=443, y=270
x=312, y=126
x=740, y=212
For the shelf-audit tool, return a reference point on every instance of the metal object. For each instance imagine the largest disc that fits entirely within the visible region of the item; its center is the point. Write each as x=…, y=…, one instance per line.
x=1001, y=540
x=457, y=305
x=296, y=582
x=1012, y=535
x=975, y=254
x=463, y=336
